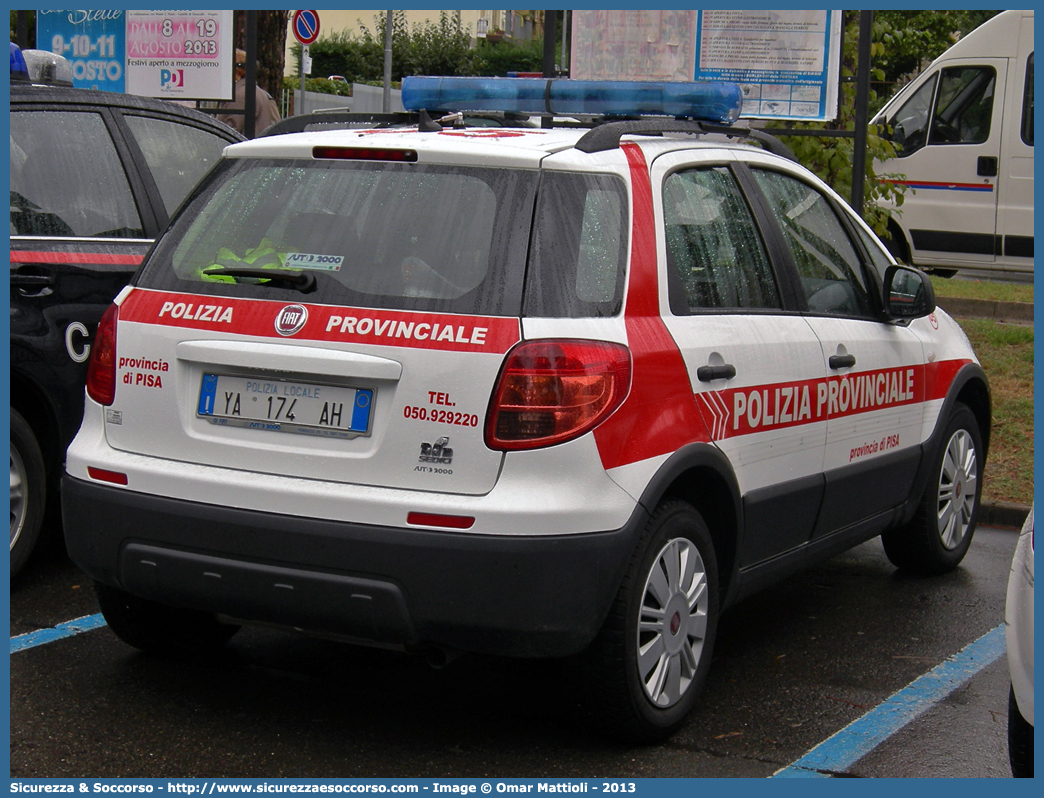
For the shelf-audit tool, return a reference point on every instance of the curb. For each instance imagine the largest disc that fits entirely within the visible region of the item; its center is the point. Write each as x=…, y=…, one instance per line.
x=1003, y=514
x=1016, y=312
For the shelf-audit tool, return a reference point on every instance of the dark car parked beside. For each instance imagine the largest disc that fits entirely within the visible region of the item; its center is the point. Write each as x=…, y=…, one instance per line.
x=94, y=178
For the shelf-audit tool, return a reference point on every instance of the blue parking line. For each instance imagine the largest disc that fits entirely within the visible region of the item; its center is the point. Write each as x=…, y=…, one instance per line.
x=863, y=735
x=67, y=629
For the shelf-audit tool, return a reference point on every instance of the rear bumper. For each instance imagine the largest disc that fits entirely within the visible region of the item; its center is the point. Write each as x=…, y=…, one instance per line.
x=525, y=595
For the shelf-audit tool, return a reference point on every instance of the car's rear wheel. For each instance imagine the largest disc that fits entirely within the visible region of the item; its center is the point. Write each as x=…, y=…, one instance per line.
x=28, y=491
x=941, y=531
x=1020, y=740
x=644, y=672
x=158, y=629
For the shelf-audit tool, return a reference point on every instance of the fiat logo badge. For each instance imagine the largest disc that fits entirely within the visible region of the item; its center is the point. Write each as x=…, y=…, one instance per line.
x=291, y=319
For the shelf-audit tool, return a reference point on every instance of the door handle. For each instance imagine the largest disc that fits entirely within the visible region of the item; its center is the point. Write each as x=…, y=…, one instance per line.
x=726, y=371
x=841, y=361
x=32, y=285
x=987, y=166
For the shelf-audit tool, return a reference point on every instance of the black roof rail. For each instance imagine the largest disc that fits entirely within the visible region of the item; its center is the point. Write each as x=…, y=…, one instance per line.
x=338, y=120
x=607, y=136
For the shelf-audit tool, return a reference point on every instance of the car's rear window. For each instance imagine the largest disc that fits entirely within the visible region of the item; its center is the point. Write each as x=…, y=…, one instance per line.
x=406, y=236
x=374, y=234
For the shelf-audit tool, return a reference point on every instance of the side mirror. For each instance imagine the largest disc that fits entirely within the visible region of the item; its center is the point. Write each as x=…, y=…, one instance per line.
x=908, y=293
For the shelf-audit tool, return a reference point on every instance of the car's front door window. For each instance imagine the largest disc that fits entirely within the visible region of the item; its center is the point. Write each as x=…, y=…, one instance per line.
x=828, y=266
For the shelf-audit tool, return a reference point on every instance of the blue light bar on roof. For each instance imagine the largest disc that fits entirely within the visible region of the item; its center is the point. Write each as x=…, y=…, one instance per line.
x=708, y=101
x=19, y=71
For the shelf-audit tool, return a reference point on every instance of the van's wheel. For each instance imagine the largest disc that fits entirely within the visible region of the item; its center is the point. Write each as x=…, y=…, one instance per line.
x=28, y=491
x=939, y=535
x=158, y=629
x=648, y=665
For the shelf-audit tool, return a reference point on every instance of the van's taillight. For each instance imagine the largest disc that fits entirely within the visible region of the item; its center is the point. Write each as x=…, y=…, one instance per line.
x=101, y=371
x=553, y=391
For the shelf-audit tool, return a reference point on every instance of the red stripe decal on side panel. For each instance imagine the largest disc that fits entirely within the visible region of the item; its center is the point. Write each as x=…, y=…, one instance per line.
x=265, y=319
x=104, y=258
x=659, y=415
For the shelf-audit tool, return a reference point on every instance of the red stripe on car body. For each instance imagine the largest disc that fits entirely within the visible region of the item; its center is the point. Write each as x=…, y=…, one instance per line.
x=103, y=258
x=258, y=317
x=659, y=415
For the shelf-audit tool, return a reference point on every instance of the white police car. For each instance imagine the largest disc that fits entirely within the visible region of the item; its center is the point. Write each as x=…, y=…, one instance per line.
x=534, y=392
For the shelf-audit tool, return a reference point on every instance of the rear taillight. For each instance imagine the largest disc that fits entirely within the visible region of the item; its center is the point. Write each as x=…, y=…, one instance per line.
x=553, y=391
x=101, y=371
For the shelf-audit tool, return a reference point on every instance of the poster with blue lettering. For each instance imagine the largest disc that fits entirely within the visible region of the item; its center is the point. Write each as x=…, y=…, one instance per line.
x=93, y=41
x=787, y=63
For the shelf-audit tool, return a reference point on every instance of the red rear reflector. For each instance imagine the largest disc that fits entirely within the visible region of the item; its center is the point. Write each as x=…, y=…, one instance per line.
x=550, y=392
x=364, y=154
x=101, y=371
x=114, y=477
x=447, y=521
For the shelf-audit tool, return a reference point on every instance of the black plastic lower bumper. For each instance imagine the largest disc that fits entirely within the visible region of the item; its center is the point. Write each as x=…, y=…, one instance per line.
x=514, y=595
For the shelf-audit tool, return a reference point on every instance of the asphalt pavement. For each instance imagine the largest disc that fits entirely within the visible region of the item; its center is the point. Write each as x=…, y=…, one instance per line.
x=794, y=667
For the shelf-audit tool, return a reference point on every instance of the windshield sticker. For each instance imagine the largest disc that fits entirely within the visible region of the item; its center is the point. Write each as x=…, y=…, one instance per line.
x=304, y=260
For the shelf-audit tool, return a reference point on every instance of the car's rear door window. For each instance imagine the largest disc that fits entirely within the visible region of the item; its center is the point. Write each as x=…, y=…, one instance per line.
x=67, y=179
x=178, y=155
x=715, y=256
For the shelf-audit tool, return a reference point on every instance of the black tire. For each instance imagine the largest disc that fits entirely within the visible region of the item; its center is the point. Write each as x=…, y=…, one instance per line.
x=28, y=491
x=623, y=696
x=158, y=629
x=941, y=531
x=1020, y=740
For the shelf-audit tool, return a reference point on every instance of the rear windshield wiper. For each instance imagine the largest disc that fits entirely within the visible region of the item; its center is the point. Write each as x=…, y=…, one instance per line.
x=302, y=281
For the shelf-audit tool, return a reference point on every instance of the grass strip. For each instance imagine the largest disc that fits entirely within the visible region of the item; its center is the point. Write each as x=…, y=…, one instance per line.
x=1006, y=354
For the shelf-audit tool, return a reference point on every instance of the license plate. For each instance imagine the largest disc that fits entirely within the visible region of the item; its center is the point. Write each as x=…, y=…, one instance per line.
x=285, y=406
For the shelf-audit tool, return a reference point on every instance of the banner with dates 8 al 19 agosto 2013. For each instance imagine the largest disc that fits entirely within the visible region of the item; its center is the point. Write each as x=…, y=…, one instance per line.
x=176, y=55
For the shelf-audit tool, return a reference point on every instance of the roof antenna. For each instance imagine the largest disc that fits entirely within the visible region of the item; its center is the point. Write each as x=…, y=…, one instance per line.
x=426, y=124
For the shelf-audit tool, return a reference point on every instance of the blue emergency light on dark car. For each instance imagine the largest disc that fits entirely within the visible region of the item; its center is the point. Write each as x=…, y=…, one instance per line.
x=707, y=101
x=19, y=71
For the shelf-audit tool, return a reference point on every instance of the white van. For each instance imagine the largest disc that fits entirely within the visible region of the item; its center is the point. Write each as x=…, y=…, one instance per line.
x=964, y=131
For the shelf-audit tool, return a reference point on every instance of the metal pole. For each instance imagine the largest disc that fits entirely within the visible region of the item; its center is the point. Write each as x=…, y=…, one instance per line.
x=550, y=34
x=250, y=99
x=386, y=106
x=22, y=29
x=565, y=43
x=301, y=75
x=862, y=115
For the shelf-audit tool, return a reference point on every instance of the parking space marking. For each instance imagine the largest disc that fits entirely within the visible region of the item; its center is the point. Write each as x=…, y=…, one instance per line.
x=67, y=629
x=863, y=735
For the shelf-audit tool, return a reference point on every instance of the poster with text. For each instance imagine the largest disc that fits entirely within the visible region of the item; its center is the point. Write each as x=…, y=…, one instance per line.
x=92, y=41
x=633, y=45
x=786, y=62
x=180, y=55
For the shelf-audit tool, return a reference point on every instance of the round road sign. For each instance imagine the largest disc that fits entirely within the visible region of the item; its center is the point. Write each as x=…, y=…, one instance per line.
x=305, y=26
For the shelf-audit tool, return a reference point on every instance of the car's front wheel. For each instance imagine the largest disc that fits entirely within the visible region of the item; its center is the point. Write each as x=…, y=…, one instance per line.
x=158, y=629
x=648, y=664
x=939, y=535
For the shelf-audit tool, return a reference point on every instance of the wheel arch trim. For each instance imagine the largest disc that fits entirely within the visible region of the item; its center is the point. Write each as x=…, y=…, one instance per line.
x=685, y=475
